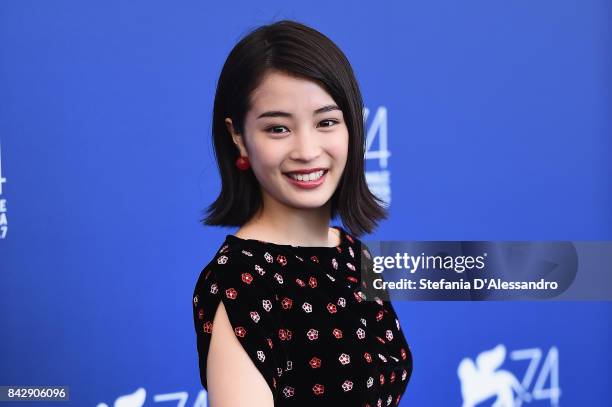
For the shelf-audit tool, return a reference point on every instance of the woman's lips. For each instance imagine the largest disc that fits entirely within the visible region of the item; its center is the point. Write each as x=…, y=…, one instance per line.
x=306, y=184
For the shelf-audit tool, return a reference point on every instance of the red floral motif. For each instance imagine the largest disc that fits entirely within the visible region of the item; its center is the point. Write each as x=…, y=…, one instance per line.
x=270, y=344
x=315, y=362
x=392, y=377
x=284, y=334
x=286, y=303
x=381, y=340
x=300, y=282
x=282, y=260
x=332, y=308
x=403, y=353
x=200, y=313
x=352, y=279
x=314, y=259
x=247, y=278
x=208, y=325
x=367, y=357
x=240, y=331
x=318, y=389
x=379, y=315
x=382, y=379
x=337, y=333
x=312, y=282
x=231, y=293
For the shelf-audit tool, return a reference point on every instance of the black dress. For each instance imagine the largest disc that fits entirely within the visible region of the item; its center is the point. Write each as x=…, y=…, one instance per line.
x=299, y=314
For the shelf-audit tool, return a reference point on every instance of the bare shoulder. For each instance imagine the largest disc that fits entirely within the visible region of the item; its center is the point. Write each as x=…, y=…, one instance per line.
x=232, y=378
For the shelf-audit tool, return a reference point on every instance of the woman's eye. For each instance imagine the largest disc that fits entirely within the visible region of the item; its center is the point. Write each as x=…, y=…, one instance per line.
x=274, y=128
x=330, y=122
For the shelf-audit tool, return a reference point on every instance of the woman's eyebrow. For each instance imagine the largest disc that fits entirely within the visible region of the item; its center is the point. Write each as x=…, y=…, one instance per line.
x=278, y=113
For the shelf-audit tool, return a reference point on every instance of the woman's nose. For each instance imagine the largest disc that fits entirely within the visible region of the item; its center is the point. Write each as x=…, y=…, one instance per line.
x=306, y=146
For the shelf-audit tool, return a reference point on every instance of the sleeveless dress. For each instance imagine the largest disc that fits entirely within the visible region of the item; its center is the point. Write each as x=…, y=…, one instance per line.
x=301, y=317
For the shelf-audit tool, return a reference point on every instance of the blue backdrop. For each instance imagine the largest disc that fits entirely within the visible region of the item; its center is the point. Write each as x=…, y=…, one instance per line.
x=487, y=120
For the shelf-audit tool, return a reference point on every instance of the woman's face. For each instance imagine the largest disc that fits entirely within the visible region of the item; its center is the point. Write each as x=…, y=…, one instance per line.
x=296, y=140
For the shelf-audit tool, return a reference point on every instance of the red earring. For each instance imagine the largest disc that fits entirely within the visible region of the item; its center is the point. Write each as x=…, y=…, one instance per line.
x=243, y=163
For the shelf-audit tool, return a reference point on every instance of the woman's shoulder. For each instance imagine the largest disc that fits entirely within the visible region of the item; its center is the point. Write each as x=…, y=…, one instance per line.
x=233, y=265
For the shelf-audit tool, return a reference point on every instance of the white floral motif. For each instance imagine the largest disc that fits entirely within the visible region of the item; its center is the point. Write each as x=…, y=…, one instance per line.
x=222, y=260
x=378, y=301
x=389, y=334
x=214, y=288
x=397, y=324
x=363, y=321
x=384, y=359
x=261, y=356
x=288, y=391
x=260, y=270
x=279, y=371
x=267, y=304
x=404, y=374
x=312, y=334
x=347, y=385
x=268, y=257
x=360, y=333
x=370, y=382
x=344, y=359
x=341, y=302
x=394, y=358
x=255, y=316
x=330, y=277
x=247, y=253
x=307, y=307
x=335, y=263
x=389, y=399
x=289, y=365
x=350, y=266
x=351, y=251
x=278, y=278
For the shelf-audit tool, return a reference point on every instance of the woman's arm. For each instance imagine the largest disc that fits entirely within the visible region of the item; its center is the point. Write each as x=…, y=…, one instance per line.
x=232, y=378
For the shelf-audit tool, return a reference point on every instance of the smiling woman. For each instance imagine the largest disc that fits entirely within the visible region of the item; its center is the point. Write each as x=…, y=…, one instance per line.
x=291, y=324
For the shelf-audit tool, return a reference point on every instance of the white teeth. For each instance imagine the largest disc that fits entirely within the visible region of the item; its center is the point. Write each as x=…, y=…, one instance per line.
x=312, y=176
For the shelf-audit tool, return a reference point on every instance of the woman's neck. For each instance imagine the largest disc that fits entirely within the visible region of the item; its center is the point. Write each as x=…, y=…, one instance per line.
x=280, y=224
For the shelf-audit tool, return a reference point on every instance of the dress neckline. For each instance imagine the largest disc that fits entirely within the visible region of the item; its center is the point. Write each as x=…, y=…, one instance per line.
x=234, y=238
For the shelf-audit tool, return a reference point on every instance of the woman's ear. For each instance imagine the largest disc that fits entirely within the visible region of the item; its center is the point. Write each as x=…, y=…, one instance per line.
x=236, y=137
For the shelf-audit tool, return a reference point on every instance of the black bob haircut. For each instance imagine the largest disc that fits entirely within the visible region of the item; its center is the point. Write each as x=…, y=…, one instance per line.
x=295, y=49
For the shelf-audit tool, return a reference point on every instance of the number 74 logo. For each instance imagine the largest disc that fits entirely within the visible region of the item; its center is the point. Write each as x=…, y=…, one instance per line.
x=482, y=379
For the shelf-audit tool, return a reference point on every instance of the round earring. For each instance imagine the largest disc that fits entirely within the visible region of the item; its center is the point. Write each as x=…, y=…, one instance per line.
x=243, y=163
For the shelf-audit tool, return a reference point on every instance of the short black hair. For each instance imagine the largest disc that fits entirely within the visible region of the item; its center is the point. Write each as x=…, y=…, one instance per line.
x=295, y=49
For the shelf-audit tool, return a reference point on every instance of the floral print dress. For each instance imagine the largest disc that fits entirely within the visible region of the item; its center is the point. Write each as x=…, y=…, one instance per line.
x=300, y=315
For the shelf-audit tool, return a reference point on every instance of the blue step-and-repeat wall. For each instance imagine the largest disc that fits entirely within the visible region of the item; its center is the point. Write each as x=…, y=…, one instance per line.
x=487, y=119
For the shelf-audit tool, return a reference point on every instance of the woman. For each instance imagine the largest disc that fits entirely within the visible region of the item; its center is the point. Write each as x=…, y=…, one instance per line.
x=291, y=324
